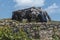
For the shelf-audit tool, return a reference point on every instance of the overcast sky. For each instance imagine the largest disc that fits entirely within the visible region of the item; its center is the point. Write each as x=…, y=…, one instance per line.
x=51, y=6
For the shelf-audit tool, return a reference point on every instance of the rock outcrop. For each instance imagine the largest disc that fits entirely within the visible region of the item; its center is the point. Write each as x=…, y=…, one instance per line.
x=32, y=13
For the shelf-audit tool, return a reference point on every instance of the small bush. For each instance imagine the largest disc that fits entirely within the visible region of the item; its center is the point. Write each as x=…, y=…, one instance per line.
x=7, y=33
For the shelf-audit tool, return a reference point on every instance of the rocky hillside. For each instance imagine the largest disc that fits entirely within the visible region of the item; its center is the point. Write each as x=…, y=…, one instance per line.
x=32, y=30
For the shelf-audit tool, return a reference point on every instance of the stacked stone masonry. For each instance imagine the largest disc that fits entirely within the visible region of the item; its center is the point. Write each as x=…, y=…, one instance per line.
x=41, y=31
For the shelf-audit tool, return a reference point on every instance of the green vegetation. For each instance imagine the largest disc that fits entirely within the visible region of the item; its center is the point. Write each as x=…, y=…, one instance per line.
x=7, y=33
x=56, y=37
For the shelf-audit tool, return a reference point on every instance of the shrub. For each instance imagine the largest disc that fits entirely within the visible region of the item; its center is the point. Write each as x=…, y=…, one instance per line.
x=7, y=33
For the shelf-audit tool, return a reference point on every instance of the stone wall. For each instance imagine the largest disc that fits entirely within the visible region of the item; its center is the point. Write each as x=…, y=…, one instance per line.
x=41, y=31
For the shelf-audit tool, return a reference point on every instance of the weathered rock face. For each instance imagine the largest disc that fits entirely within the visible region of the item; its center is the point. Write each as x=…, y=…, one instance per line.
x=33, y=13
x=41, y=31
x=22, y=14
